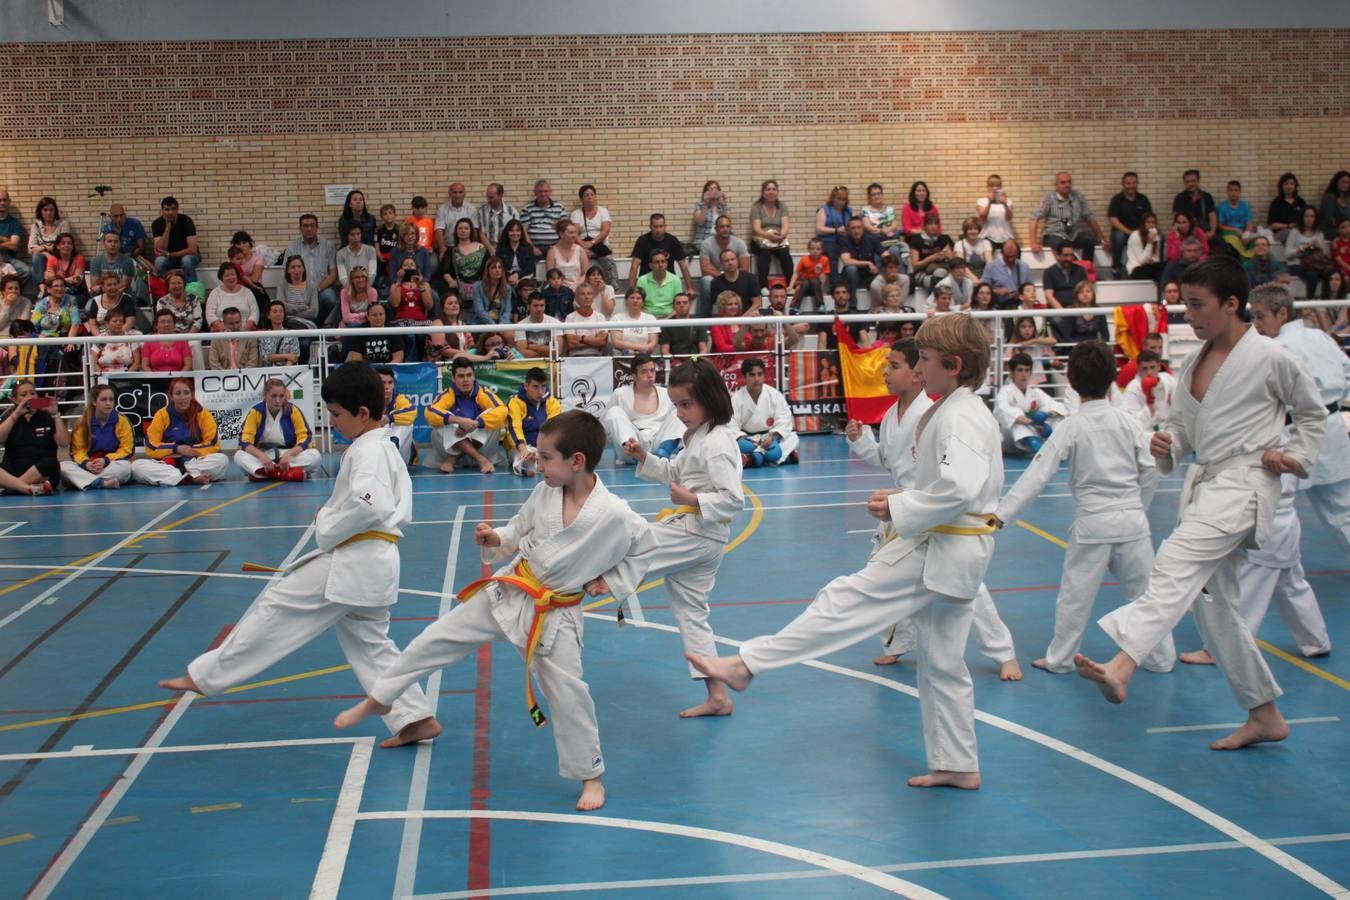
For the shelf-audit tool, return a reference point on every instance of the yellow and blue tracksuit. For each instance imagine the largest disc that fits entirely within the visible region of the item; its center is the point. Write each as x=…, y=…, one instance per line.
x=525, y=418
x=294, y=429
x=113, y=440
x=479, y=404
x=167, y=430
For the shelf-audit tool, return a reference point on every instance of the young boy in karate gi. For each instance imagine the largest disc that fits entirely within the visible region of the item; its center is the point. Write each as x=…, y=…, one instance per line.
x=572, y=535
x=1232, y=399
x=1148, y=396
x=1026, y=414
x=761, y=414
x=349, y=583
x=1112, y=477
x=895, y=454
x=466, y=420
x=938, y=546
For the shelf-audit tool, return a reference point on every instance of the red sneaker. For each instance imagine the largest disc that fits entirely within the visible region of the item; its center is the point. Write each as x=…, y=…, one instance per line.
x=41, y=490
x=292, y=473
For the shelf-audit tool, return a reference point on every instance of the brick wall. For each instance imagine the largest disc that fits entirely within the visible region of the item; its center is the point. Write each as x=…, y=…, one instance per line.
x=247, y=133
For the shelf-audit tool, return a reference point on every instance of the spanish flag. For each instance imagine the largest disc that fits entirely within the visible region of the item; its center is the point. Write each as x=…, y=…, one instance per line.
x=864, y=374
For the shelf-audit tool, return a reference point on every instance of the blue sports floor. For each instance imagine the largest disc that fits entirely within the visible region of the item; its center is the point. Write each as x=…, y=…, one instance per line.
x=110, y=789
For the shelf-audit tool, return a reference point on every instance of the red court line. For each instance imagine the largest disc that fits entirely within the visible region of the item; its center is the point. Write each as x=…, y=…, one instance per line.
x=480, y=830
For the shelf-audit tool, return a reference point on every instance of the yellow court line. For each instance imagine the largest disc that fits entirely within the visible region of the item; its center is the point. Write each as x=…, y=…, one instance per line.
x=756, y=516
x=1264, y=645
x=218, y=807
x=158, y=532
x=17, y=838
x=121, y=820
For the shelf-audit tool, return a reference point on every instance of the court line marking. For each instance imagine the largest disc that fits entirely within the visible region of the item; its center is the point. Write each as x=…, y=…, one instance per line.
x=834, y=864
x=1167, y=795
x=183, y=748
x=336, y=847
x=215, y=807
x=10, y=527
x=405, y=872
x=1228, y=726
x=80, y=566
x=17, y=838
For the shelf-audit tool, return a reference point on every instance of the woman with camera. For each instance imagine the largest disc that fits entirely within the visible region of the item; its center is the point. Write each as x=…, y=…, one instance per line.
x=30, y=435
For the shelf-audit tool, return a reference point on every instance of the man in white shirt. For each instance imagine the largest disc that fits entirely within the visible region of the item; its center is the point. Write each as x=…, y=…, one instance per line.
x=450, y=212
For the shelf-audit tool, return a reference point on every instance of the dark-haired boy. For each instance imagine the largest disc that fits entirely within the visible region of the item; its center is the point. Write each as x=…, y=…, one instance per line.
x=1148, y=397
x=1112, y=477
x=534, y=601
x=347, y=584
x=527, y=411
x=466, y=420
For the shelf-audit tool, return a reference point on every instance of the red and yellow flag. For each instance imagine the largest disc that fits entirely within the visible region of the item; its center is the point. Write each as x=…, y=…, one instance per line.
x=864, y=374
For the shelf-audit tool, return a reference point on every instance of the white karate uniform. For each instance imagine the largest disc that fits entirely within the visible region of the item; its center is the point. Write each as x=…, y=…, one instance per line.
x=606, y=539
x=1275, y=572
x=691, y=545
x=271, y=438
x=623, y=422
x=346, y=586
x=80, y=478
x=919, y=574
x=402, y=436
x=1112, y=476
x=770, y=413
x=161, y=474
x=896, y=454
x=1228, y=503
x=1133, y=401
x=1329, y=487
x=1010, y=403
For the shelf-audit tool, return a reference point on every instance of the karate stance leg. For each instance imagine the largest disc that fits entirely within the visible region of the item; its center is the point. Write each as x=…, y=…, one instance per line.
x=444, y=642
x=1084, y=567
x=992, y=636
x=571, y=711
x=363, y=634
x=1131, y=563
x=1297, y=605
x=946, y=692
x=1230, y=641
x=1331, y=502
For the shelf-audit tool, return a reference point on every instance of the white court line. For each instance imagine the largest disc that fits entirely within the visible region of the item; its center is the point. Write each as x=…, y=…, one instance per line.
x=71, y=852
x=13, y=525
x=1228, y=726
x=328, y=878
x=80, y=570
x=406, y=873
x=1167, y=795
x=802, y=874
x=786, y=851
x=87, y=751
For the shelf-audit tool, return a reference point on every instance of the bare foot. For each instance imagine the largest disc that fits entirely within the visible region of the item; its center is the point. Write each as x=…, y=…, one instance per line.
x=1108, y=677
x=181, y=683
x=966, y=781
x=713, y=706
x=729, y=670
x=448, y=465
x=1197, y=658
x=1263, y=724
x=486, y=467
x=592, y=795
x=366, y=707
x=421, y=730
x=1039, y=664
x=1010, y=671
x=111, y=484
x=886, y=659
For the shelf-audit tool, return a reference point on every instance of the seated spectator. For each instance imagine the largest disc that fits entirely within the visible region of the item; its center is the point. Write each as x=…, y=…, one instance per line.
x=1090, y=326
x=604, y=294
x=64, y=265
x=357, y=298
x=463, y=262
x=1149, y=395
x=399, y=416
x=658, y=286
x=974, y=249
x=493, y=298
x=734, y=278
x=376, y=349
x=110, y=260
x=633, y=338
x=320, y=258
x=811, y=278
x=1144, y=250
x=890, y=276
x=386, y=239
x=1007, y=273
x=1183, y=227
x=586, y=342
x=593, y=226
x=657, y=238
x=558, y=297
x=57, y=315
x=492, y=216
x=1340, y=248
x=712, y=204
x=1126, y=213
x=131, y=236
x=1192, y=251
x=1025, y=414
x=859, y=255
x=13, y=240
x=537, y=343
x=642, y=411
x=443, y=346
x=277, y=350
x=1031, y=336
x=1060, y=279
x=710, y=256
x=930, y=253
x=424, y=224
x=1064, y=217
x=408, y=248
x=299, y=294
x=769, y=227
x=515, y=253
x=1262, y=268
x=96, y=312
x=792, y=334
x=1235, y=221
x=682, y=340
x=759, y=338
x=1198, y=206
x=250, y=263
x=101, y=444
x=23, y=359
x=165, y=356
x=175, y=241
x=1306, y=251
x=914, y=214
x=237, y=258
x=275, y=439
x=31, y=436
x=115, y=356
x=1335, y=207
x=411, y=302
x=527, y=411
x=1028, y=302
x=353, y=254
x=982, y=300
x=879, y=217
x=940, y=301
x=962, y=282
x=354, y=212
x=832, y=223
x=539, y=217
x=455, y=207
x=994, y=212
x=1286, y=209
x=186, y=309
x=567, y=255
x=48, y=225
x=233, y=353
x=761, y=414
x=466, y=421
x=730, y=338
x=230, y=294
x=181, y=442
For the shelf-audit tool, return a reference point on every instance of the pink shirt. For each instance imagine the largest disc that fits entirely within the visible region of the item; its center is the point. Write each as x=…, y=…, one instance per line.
x=167, y=356
x=911, y=220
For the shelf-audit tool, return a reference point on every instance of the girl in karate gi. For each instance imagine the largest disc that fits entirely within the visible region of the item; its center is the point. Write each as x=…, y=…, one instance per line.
x=937, y=549
x=571, y=535
x=642, y=411
x=181, y=445
x=101, y=444
x=1026, y=414
x=762, y=414
x=274, y=441
x=349, y=583
x=704, y=476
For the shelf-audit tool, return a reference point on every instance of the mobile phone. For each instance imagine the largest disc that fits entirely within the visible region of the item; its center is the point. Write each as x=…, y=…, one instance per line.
x=40, y=403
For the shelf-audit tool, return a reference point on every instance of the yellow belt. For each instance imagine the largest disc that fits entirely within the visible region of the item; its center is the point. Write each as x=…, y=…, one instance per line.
x=987, y=527
x=545, y=599
x=681, y=510
x=361, y=536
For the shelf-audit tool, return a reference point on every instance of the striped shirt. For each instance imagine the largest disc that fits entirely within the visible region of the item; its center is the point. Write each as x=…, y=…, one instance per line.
x=539, y=221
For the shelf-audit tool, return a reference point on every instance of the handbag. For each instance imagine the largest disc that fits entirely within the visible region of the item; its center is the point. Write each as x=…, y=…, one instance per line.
x=1315, y=259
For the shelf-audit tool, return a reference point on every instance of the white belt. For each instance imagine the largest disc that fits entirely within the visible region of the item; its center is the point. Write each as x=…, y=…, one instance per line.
x=1199, y=473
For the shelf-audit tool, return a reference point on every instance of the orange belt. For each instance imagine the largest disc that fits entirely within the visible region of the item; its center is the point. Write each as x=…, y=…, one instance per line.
x=545, y=599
